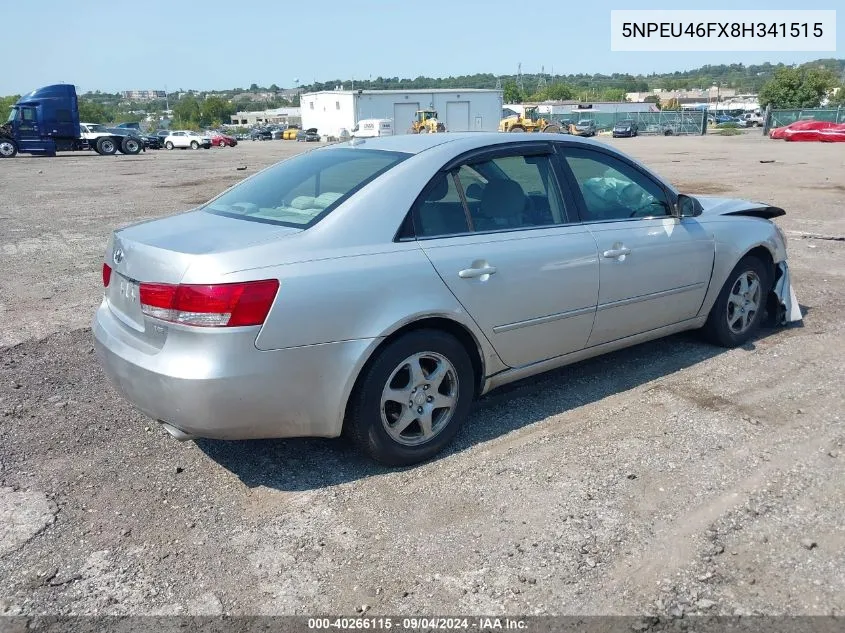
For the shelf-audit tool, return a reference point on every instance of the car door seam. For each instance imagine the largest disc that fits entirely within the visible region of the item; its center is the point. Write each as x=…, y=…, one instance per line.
x=652, y=295
x=498, y=329
x=709, y=281
x=460, y=303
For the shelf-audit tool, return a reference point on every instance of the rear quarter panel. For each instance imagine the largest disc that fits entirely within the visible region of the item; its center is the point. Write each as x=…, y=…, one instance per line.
x=356, y=297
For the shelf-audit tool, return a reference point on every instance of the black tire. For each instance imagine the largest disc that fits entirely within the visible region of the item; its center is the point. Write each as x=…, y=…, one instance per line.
x=8, y=148
x=168, y=145
x=364, y=423
x=131, y=146
x=195, y=145
x=717, y=330
x=106, y=146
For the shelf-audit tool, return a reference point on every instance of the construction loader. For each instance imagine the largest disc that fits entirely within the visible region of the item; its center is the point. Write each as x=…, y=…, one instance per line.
x=427, y=122
x=531, y=121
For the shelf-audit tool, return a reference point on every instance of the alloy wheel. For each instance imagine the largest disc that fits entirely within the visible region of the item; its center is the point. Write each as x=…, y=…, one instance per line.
x=419, y=398
x=744, y=302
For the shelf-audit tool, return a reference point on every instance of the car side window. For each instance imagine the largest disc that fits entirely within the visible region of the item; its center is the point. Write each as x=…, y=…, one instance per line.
x=495, y=194
x=613, y=190
x=512, y=192
x=440, y=211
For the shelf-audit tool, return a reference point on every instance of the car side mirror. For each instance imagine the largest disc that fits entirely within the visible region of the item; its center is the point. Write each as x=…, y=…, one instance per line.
x=687, y=206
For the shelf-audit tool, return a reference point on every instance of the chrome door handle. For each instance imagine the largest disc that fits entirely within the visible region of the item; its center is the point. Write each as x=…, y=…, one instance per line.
x=613, y=253
x=469, y=273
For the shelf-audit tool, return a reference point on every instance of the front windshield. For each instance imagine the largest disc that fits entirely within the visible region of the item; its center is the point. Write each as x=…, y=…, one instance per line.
x=299, y=191
x=97, y=127
x=584, y=122
x=12, y=114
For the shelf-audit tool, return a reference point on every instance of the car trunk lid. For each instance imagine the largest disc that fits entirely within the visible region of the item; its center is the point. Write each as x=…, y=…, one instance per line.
x=161, y=251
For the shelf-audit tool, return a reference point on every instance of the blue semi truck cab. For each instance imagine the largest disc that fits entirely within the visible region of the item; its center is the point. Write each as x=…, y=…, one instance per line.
x=46, y=121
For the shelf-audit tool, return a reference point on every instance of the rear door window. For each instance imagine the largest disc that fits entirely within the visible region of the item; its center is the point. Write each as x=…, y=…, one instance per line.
x=500, y=193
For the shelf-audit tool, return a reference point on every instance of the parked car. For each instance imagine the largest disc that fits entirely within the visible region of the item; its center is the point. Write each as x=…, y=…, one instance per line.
x=810, y=130
x=585, y=127
x=663, y=129
x=264, y=312
x=627, y=127
x=162, y=134
x=152, y=141
x=222, y=140
x=184, y=139
x=716, y=119
x=290, y=133
x=261, y=134
x=308, y=135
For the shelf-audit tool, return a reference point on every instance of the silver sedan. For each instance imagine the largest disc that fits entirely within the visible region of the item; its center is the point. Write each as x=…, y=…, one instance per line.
x=378, y=286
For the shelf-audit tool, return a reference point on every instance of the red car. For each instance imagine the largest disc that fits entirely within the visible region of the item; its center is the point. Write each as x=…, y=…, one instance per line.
x=222, y=140
x=809, y=130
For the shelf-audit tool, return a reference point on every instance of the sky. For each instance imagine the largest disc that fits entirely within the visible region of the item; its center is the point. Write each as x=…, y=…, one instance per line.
x=215, y=44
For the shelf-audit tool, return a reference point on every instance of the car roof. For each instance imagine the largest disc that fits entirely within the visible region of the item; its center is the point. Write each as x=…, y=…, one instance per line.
x=449, y=145
x=417, y=143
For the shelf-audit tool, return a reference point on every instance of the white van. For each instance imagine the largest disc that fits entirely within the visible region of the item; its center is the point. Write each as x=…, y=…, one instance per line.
x=373, y=127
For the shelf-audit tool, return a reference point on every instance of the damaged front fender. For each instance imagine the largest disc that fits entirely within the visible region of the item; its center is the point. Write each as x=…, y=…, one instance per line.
x=787, y=309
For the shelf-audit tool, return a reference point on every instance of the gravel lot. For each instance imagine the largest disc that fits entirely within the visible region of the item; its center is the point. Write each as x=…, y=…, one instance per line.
x=670, y=479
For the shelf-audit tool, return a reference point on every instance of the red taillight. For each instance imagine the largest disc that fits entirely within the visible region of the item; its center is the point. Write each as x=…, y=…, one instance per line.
x=106, y=275
x=217, y=305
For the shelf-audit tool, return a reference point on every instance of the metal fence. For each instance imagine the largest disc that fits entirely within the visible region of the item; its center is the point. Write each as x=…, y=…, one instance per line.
x=662, y=123
x=780, y=118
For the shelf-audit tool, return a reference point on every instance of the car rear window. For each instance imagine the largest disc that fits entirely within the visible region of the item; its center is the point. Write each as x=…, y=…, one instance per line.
x=300, y=191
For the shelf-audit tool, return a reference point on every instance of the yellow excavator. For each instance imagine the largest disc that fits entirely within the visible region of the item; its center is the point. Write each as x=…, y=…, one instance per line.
x=427, y=122
x=531, y=121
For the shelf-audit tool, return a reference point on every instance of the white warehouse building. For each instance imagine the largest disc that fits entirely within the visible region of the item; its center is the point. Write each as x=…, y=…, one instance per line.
x=330, y=111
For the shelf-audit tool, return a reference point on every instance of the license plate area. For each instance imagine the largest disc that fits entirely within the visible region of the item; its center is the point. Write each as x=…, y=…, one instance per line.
x=125, y=301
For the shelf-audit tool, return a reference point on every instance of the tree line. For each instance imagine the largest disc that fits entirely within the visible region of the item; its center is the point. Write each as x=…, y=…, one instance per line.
x=778, y=85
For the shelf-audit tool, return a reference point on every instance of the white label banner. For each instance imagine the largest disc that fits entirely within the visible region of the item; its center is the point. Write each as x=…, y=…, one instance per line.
x=723, y=30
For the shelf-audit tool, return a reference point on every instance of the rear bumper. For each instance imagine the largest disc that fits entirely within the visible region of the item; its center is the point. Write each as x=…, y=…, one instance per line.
x=217, y=384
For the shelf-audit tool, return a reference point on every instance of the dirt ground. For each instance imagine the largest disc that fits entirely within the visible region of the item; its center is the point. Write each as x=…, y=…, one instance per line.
x=669, y=479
